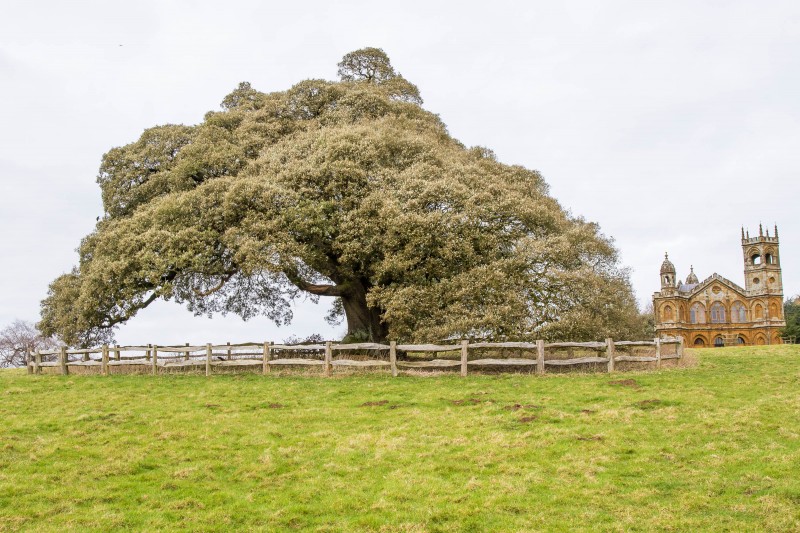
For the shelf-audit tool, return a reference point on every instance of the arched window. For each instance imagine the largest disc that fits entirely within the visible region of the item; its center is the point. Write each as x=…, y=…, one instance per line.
x=738, y=312
x=740, y=340
x=773, y=310
x=718, y=342
x=756, y=259
x=697, y=314
x=667, y=313
x=758, y=312
x=717, y=313
x=769, y=259
x=681, y=314
x=699, y=342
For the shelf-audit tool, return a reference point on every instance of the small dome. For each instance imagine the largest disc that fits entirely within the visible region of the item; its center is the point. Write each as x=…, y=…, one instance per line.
x=692, y=278
x=667, y=267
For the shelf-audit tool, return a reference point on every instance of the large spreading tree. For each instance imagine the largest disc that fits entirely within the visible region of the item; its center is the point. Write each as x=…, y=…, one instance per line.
x=348, y=190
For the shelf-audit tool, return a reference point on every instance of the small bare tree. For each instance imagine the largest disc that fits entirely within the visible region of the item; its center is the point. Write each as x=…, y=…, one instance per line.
x=19, y=339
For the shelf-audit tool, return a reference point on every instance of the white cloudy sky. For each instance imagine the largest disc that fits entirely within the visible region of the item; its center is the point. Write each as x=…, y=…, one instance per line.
x=671, y=124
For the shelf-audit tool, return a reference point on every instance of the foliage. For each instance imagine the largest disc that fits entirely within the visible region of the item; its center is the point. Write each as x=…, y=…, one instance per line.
x=372, y=65
x=314, y=338
x=647, y=321
x=343, y=189
x=602, y=307
x=675, y=450
x=791, y=313
x=20, y=338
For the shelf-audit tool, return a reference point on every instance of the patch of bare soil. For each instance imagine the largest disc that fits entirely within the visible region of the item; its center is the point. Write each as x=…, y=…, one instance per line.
x=588, y=411
x=530, y=418
x=632, y=383
x=518, y=406
x=468, y=401
x=649, y=404
x=374, y=404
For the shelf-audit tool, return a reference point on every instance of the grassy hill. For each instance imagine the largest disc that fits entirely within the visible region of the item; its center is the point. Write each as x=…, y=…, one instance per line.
x=714, y=447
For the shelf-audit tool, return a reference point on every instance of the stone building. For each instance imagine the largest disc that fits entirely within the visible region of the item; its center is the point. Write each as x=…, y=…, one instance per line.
x=718, y=312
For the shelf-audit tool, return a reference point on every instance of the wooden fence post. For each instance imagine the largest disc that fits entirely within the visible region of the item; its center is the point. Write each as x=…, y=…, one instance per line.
x=540, y=357
x=147, y=353
x=208, y=359
x=104, y=363
x=117, y=356
x=328, y=357
x=393, y=357
x=37, y=362
x=29, y=360
x=155, y=359
x=186, y=354
x=610, y=354
x=85, y=356
x=229, y=350
x=464, y=354
x=62, y=357
x=267, y=357
x=658, y=352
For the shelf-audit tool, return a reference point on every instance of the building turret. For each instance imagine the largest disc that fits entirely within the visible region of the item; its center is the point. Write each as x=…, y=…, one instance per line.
x=691, y=279
x=667, y=273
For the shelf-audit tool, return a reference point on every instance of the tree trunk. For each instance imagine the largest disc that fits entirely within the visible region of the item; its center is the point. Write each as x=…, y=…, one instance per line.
x=363, y=322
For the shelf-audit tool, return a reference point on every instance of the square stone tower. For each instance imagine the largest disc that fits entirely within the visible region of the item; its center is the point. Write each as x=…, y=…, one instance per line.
x=762, y=268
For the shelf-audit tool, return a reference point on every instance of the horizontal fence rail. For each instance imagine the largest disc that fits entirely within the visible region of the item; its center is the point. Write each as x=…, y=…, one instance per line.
x=264, y=356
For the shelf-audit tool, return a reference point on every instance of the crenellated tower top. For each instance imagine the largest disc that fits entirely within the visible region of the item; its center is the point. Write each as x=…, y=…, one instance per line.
x=762, y=237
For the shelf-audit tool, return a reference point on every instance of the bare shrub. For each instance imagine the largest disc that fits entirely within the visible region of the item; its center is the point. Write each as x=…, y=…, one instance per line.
x=18, y=339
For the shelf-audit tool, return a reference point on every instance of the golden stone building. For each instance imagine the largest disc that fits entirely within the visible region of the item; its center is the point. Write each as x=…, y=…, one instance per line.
x=718, y=312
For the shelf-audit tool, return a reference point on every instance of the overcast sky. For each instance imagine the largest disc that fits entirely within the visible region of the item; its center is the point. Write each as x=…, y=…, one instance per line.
x=671, y=124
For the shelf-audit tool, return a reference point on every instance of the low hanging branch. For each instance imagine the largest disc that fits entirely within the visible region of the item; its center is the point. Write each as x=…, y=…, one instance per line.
x=225, y=278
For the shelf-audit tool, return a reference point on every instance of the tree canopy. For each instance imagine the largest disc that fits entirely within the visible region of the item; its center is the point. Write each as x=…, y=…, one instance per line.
x=345, y=189
x=791, y=313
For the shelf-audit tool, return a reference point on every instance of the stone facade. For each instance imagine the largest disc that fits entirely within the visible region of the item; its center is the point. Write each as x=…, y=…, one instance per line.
x=718, y=312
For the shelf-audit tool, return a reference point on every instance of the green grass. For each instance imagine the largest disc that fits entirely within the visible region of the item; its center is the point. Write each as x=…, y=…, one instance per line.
x=714, y=447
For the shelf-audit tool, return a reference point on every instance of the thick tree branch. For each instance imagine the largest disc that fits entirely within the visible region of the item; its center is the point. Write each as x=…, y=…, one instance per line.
x=133, y=310
x=319, y=290
x=314, y=288
x=218, y=286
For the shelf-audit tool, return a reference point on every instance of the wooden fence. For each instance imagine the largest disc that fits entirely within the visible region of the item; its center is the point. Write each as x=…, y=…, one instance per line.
x=266, y=356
